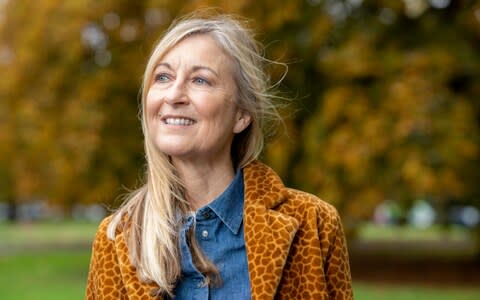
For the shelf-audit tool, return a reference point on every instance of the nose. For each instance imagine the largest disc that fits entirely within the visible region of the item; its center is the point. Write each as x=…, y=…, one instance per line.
x=176, y=94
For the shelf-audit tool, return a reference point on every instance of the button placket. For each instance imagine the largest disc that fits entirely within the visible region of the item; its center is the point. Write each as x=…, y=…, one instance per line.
x=204, y=225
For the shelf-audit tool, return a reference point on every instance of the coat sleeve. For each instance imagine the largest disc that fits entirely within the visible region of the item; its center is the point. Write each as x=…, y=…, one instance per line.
x=104, y=276
x=337, y=266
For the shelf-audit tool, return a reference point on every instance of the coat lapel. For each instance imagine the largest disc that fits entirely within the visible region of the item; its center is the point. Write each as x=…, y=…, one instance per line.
x=268, y=233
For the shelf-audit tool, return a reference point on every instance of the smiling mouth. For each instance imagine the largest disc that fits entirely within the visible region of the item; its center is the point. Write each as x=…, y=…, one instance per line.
x=178, y=121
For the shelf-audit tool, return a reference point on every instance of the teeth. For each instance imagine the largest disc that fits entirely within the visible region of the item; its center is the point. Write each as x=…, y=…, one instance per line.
x=179, y=121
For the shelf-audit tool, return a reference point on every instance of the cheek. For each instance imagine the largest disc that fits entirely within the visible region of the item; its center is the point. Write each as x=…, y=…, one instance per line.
x=205, y=108
x=220, y=106
x=152, y=102
x=221, y=116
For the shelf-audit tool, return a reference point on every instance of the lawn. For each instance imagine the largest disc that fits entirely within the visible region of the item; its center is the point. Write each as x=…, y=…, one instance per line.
x=372, y=291
x=47, y=233
x=53, y=272
x=372, y=232
x=62, y=274
x=44, y=275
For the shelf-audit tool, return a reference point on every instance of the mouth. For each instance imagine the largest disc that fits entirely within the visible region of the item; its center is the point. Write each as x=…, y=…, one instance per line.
x=178, y=121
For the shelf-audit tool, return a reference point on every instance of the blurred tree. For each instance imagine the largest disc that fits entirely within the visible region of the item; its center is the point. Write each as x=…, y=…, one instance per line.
x=381, y=113
x=70, y=83
x=396, y=115
x=378, y=112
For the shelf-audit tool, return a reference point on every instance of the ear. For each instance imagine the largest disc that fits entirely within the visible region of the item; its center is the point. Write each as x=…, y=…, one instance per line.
x=242, y=120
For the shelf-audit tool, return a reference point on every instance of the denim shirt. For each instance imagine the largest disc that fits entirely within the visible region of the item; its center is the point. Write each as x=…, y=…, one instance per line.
x=219, y=232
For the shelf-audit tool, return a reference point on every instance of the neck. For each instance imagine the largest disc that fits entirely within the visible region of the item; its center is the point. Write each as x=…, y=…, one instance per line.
x=204, y=181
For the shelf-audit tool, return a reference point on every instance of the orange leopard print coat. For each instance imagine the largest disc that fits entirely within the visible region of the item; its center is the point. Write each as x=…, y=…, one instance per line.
x=295, y=247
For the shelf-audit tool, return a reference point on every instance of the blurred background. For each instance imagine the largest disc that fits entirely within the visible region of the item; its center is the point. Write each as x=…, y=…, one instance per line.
x=383, y=122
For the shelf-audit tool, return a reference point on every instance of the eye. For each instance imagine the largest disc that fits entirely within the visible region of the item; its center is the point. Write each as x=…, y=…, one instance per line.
x=200, y=81
x=161, y=77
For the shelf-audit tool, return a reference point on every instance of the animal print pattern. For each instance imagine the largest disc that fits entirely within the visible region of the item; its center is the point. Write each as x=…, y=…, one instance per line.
x=295, y=243
x=295, y=247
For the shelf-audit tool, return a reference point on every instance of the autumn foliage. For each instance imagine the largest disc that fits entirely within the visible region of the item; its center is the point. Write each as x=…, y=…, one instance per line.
x=384, y=97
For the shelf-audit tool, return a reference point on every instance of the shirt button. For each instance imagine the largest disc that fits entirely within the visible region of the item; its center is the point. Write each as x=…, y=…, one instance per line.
x=205, y=233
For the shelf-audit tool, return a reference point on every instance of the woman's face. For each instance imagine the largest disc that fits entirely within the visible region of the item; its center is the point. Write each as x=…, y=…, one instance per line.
x=190, y=104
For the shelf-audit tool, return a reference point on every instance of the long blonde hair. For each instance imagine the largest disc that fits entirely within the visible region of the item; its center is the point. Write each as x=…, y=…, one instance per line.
x=149, y=218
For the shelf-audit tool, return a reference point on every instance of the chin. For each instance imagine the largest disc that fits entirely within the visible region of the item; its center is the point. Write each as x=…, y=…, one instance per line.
x=172, y=150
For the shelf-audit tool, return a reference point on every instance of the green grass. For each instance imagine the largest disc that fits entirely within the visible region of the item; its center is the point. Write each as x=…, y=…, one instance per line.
x=44, y=275
x=62, y=275
x=372, y=291
x=46, y=233
x=46, y=260
x=406, y=242
x=52, y=272
x=372, y=232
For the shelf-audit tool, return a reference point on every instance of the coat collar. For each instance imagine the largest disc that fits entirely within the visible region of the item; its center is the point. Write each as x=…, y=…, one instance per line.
x=268, y=233
x=265, y=185
x=229, y=205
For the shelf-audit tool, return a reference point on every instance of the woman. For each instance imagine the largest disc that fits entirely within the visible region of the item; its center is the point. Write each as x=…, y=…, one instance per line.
x=212, y=222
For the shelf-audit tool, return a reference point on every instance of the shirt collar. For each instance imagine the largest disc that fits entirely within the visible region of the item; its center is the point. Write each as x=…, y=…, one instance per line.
x=229, y=205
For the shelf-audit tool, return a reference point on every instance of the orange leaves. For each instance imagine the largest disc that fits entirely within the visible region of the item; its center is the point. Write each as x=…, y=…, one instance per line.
x=355, y=58
x=336, y=100
x=389, y=122
x=385, y=109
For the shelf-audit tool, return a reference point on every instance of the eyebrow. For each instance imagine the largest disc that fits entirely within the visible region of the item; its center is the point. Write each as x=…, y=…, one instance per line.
x=194, y=68
x=162, y=64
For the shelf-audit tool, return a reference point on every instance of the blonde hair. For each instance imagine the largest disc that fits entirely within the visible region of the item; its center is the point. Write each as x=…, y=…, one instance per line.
x=149, y=217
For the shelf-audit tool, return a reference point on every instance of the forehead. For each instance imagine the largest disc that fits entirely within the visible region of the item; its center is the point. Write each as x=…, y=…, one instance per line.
x=198, y=49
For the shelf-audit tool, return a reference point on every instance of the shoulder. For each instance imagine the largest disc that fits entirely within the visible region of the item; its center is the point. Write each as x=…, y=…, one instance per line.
x=108, y=260
x=306, y=205
x=263, y=185
x=318, y=220
x=101, y=236
x=306, y=200
x=109, y=246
